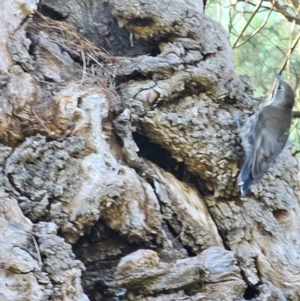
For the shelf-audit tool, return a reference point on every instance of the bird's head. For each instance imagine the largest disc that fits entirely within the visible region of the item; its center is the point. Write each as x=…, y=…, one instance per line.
x=283, y=93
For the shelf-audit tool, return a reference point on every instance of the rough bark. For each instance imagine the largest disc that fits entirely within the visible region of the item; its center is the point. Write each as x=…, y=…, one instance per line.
x=119, y=157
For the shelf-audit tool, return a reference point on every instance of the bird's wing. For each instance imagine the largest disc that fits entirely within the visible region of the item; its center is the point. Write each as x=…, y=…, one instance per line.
x=270, y=139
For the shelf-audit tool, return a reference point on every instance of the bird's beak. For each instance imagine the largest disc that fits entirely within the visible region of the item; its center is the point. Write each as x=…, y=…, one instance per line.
x=278, y=76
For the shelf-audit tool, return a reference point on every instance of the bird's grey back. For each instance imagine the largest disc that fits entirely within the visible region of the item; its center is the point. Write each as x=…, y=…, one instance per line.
x=265, y=134
x=271, y=134
x=269, y=115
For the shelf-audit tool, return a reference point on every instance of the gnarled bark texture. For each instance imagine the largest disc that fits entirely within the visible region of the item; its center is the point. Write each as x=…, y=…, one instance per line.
x=119, y=157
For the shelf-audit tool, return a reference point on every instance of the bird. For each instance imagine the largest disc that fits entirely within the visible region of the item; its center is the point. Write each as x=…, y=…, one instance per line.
x=265, y=134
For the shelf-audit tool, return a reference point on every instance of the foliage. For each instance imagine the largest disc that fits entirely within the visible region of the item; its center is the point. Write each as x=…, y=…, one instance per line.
x=265, y=37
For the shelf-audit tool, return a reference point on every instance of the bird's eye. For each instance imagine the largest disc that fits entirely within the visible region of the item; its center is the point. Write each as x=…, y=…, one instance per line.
x=279, y=87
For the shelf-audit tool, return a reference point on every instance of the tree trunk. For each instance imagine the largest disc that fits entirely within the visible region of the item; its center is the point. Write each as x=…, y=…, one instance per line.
x=119, y=158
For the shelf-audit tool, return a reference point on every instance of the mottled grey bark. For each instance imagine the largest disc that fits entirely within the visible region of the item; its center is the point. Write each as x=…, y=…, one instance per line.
x=119, y=157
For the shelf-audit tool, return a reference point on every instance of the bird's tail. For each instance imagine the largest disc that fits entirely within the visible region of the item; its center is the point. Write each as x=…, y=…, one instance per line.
x=246, y=185
x=245, y=178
